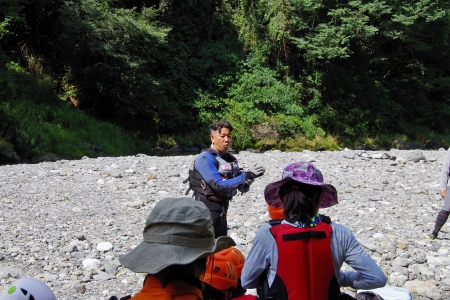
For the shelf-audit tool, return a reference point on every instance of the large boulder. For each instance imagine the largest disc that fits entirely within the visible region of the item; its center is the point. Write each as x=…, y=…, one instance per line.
x=402, y=145
x=46, y=158
x=416, y=156
x=432, y=145
x=265, y=131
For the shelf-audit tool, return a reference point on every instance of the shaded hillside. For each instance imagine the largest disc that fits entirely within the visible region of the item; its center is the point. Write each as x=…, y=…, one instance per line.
x=316, y=74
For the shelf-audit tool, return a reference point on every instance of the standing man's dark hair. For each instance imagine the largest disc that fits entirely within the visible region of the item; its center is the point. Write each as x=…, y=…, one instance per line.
x=217, y=126
x=215, y=177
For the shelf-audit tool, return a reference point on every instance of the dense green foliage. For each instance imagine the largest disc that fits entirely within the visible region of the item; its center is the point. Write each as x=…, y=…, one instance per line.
x=45, y=125
x=359, y=71
x=370, y=66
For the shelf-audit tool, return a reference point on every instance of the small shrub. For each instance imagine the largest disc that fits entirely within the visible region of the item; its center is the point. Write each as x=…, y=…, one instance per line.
x=5, y=147
x=300, y=142
x=266, y=144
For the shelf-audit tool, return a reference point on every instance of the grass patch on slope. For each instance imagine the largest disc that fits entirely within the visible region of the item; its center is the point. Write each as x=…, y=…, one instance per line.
x=37, y=122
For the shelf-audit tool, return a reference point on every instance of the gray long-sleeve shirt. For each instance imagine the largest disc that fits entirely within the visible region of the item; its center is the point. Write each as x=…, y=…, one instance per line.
x=263, y=257
x=445, y=171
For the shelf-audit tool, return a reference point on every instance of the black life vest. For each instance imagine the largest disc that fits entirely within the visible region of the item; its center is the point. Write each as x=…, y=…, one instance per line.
x=227, y=166
x=305, y=267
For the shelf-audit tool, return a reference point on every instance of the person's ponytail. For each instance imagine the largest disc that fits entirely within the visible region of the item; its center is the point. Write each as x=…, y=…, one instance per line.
x=299, y=200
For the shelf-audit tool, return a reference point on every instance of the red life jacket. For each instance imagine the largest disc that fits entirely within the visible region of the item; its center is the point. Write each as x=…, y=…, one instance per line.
x=305, y=268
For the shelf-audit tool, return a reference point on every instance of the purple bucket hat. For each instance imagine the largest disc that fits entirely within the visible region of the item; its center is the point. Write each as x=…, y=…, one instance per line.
x=304, y=172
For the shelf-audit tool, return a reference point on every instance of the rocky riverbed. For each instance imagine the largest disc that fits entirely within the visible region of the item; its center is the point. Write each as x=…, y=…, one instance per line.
x=66, y=222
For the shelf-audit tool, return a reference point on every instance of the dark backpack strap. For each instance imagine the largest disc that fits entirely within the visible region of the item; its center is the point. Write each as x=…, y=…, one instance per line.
x=276, y=291
x=325, y=219
x=274, y=222
x=123, y=298
x=334, y=291
x=228, y=157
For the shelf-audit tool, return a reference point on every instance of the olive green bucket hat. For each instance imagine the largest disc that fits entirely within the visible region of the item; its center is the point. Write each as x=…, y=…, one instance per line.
x=178, y=231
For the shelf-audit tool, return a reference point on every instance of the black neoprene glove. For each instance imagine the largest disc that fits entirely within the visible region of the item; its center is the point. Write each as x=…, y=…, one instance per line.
x=254, y=172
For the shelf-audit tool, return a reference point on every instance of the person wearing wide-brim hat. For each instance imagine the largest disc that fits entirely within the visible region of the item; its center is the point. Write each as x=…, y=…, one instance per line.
x=300, y=257
x=178, y=238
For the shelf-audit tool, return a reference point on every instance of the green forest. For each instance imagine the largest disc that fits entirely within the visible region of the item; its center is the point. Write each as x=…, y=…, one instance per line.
x=116, y=77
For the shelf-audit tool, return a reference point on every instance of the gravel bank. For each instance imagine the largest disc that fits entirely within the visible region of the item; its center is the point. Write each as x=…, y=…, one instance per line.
x=66, y=222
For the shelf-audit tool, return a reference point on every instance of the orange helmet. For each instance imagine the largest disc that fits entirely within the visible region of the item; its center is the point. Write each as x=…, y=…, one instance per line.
x=234, y=256
x=275, y=213
x=220, y=273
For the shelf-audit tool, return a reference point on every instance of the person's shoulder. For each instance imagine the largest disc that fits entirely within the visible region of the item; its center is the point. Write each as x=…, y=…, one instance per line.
x=265, y=226
x=264, y=236
x=338, y=228
x=206, y=153
x=341, y=236
x=264, y=229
